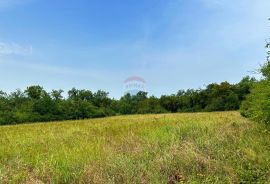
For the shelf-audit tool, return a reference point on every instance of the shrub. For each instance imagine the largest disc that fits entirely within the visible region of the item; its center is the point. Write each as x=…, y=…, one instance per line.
x=257, y=104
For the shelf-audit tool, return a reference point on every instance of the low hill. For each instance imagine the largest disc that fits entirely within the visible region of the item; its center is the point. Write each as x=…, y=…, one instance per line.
x=220, y=147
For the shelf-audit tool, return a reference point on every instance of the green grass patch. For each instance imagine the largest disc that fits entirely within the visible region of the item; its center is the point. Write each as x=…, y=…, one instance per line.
x=220, y=147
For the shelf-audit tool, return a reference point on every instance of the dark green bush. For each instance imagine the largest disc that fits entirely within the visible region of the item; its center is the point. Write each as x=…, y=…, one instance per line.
x=257, y=104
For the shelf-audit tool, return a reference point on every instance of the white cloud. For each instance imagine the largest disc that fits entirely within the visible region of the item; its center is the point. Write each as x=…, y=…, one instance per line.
x=14, y=49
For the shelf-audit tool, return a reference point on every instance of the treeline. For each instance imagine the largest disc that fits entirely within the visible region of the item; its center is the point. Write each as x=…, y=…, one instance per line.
x=36, y=105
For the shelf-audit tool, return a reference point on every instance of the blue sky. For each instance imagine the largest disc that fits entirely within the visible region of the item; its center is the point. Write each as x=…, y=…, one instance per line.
x=97, y=44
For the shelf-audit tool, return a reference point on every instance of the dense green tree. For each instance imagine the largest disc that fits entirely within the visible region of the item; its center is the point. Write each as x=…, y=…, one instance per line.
x=125, y=104
x=150, y=105
x=222, y=97
x=73, y=94
x=257, y=104
x=84, y=95
x=244, y=87
x=35, y=92
x=101, y=99
x=170, y=103
x=57, y=94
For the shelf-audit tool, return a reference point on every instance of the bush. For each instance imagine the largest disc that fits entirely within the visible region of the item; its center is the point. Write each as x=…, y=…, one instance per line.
x=257, y=104
x=7, y=118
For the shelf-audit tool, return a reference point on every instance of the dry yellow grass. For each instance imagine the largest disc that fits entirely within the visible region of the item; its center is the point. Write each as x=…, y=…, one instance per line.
x=217, y=147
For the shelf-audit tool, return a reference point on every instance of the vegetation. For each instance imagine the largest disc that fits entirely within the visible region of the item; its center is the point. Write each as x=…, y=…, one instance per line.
x=257, y=105
x=35, y=104
x=220, y=147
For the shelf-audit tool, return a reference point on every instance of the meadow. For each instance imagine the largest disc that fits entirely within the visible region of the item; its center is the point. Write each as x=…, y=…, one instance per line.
x=217, y=147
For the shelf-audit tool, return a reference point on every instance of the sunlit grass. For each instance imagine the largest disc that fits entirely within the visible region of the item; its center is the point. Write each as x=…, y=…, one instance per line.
x=191, y=148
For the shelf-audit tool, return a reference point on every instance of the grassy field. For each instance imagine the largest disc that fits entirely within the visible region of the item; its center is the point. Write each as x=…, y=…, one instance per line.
x=172, y=148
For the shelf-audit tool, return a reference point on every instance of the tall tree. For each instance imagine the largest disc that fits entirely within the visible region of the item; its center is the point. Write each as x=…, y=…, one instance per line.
x=257, y=105
x=35, y=92
x=57, y=94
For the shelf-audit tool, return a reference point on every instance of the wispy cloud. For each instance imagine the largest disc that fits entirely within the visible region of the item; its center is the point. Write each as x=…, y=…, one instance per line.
x=14, y=49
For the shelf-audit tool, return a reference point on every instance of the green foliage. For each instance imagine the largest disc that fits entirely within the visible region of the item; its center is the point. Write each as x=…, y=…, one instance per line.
x=223, y=97
x=36, y=105
x=257, y=104
x=35, y=92
x=150, y=105
x=216, y=97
